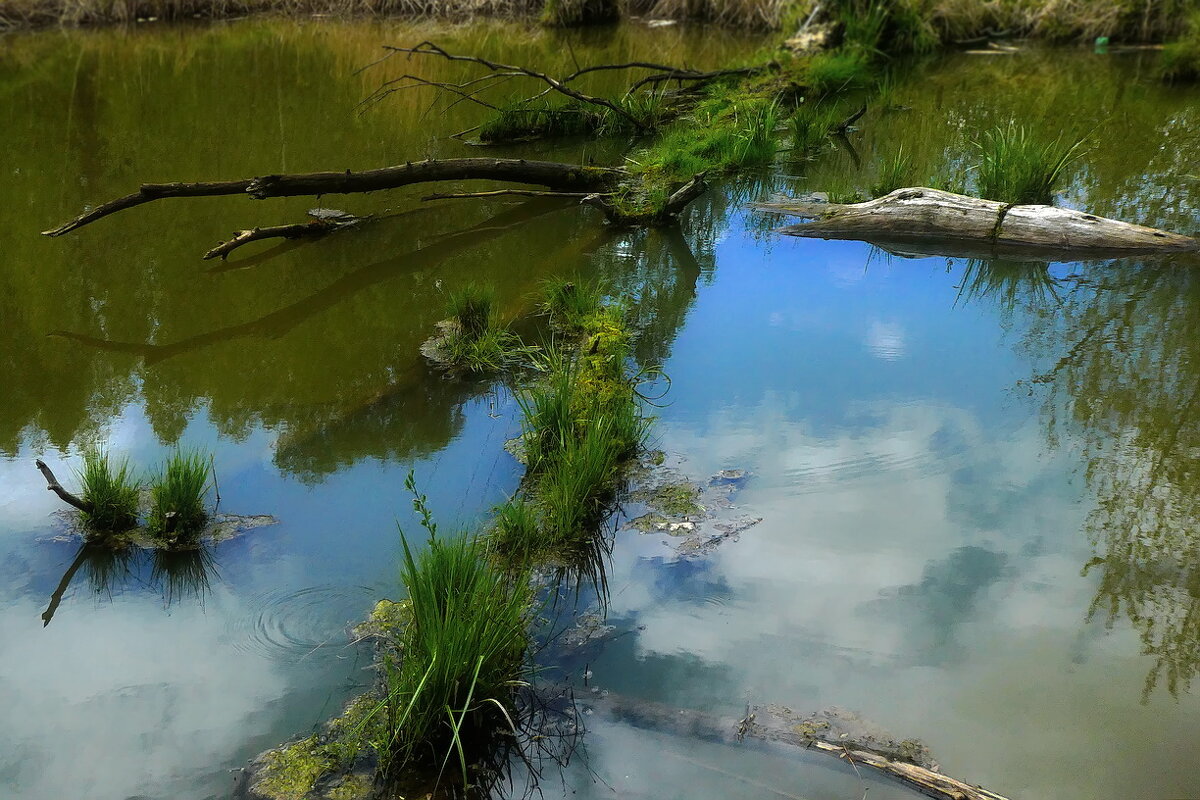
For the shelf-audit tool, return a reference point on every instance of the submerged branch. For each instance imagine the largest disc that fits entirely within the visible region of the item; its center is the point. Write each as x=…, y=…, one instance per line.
x=300, y=230
x=505, y=193
x=551, y=174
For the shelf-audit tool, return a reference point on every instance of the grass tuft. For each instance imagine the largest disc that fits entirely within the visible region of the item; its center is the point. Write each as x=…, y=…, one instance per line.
x=894, y=173
x=473, y=339
x=811, y=126
x=450, y=695
x=177, y=496
x=570, y=302
x=111, y=490
x=1017, y=165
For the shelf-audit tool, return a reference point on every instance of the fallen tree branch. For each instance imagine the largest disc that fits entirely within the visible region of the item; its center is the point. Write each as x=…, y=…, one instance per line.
x=553, y=175
x=933, y=221
x=300, y=230
x=53, y=485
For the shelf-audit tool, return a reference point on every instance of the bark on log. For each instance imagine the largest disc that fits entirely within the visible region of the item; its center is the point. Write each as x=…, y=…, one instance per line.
x=933, y=220
x=53, y=485
x=553, y=175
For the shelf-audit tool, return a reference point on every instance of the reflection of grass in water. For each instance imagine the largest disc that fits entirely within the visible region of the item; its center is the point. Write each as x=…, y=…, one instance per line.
x=182, y=573
x=107, y=567
x=1007, y=282
x=111, y=490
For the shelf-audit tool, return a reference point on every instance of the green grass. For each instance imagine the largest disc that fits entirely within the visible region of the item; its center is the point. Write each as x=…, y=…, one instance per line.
x=520, y=120
x=474, y=340
x=811, y=125
x=721, y=135
x=839, y=70
x=473, y=307
x=177, y=496
x=450, y=690
x=894, y=173
x=569, y=302
x=1019, y=165
x=111, y=490
x=1180, y=60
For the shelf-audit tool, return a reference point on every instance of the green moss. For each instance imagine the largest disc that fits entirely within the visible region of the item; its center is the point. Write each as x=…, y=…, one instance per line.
x=291, y=772
x=673, y=499
x=352, y=787
x=387, y=620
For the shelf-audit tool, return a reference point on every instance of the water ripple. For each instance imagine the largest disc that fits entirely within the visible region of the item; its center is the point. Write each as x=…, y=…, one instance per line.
x=290, y=626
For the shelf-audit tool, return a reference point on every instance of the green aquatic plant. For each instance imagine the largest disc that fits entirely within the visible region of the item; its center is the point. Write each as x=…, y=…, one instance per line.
x=569, y=302
x=894, y=173
x=811, y=126
x=473, y=339
x=1180, y=59
x=473, y=308
x=177, y=495
x=110, y=490
x=524, y=119
x=1020, y=165
x=450, y=689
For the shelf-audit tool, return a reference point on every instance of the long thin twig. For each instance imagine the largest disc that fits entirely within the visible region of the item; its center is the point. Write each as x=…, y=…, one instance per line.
x=431, y=49
x=504, y=193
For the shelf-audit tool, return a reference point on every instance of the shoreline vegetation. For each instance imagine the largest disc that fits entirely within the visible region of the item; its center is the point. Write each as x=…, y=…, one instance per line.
x=941, y=22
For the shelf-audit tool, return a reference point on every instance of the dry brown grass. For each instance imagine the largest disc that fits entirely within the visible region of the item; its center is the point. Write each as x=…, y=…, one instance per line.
x=1129, y=20
x=954, y=20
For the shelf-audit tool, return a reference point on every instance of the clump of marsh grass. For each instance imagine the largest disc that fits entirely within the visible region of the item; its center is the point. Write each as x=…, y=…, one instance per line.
x=111, y=490
x=1019, y=165
x=811, y=126
x=894, y=173
x=521, y=120
x=570, y=302
x=473, y=339
x=177, y=496
x=722, y=134
x=450, y=689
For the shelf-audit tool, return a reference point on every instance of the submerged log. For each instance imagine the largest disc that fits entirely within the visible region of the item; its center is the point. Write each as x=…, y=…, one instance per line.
x=930, y=220
x=551, y=174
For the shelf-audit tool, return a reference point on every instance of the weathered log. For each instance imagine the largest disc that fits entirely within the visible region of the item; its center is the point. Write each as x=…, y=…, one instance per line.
x=934, y=219
x=53, y=485
x=553, y=175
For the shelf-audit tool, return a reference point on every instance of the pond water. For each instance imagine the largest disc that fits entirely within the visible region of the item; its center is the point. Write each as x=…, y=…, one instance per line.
x=977, y=480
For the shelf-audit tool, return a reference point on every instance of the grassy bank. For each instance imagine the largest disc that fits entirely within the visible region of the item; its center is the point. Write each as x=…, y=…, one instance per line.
x=939, y=22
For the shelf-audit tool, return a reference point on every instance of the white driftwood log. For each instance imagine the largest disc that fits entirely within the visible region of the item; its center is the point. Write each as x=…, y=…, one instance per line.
x=930, y=220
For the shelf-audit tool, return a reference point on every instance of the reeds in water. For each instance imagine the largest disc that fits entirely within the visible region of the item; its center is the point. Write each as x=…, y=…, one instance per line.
x=462, y=656
x=1020, y=165
x=111, y=490
x=475, y=340
x=177, y=496
x=894, y=173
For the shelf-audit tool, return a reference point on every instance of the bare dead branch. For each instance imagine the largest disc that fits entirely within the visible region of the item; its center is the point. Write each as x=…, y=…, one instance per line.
x=53, y=485
x=301, y=230
x=429, y=48
x=551, y=174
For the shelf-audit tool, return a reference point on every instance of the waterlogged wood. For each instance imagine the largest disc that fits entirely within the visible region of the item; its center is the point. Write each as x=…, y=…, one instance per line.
x=709, y=727
x=300, y=230
x=551, y=174
x=921, y=215
x=53, y=485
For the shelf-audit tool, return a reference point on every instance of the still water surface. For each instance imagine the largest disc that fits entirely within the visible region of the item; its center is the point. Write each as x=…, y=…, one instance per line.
x=977, y=479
